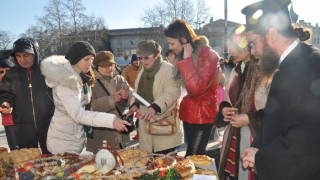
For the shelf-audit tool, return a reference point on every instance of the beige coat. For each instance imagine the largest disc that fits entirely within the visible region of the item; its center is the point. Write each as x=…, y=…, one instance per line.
x=166, y=92
x=101, y=102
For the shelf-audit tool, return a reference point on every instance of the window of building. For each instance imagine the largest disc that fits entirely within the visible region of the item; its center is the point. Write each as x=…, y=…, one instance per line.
x=119, y=53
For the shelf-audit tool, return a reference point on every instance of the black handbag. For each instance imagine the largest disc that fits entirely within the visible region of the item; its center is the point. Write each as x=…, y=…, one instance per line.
x=122, y=116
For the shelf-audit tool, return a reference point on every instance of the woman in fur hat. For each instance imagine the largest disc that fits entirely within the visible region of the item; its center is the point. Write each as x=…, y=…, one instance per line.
x=242, y=111
x=197, y=67
x=157, y=86
x=70, y=78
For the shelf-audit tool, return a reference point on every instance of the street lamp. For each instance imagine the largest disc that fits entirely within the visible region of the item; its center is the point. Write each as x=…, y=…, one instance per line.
x=225, y=29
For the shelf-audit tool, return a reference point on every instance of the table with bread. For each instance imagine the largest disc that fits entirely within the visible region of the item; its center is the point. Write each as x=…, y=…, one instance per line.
x=129, y=163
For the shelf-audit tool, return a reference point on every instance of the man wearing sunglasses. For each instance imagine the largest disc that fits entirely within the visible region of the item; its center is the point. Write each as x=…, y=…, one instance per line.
x=24, y=92
x=287, y=146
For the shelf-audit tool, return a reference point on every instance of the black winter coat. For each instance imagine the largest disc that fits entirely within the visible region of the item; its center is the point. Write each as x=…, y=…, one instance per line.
x=15, y=89
x=288, y=141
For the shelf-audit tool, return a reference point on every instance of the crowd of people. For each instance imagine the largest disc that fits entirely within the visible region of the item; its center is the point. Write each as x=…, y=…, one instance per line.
x=267, y=97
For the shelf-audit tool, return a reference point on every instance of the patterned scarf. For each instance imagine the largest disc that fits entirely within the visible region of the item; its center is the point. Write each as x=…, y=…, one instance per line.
x=86, y=79
x=248, y=84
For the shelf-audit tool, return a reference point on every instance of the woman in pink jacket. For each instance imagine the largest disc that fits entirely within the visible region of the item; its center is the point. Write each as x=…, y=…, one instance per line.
x=197, y=66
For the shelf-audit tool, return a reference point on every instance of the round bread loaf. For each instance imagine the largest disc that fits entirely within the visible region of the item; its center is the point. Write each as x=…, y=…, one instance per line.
x=200, y=160
x=129, y=155
x=185, y=167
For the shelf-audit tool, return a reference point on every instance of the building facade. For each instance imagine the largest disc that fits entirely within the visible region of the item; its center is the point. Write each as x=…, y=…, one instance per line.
x=214, y=31
x=123, y=42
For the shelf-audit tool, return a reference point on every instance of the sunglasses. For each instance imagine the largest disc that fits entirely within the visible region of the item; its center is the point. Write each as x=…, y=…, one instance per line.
x=145, y=57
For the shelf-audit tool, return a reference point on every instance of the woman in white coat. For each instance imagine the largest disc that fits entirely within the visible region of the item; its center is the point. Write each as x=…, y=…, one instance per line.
x=70, y=78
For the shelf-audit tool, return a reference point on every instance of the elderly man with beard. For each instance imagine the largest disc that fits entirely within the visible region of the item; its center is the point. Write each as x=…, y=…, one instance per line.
x=286, y=146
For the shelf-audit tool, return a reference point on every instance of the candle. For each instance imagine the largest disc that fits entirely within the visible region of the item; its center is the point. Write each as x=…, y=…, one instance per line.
x=143, y=101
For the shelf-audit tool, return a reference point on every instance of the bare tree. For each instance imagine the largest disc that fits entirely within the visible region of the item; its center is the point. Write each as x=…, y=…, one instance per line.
x=186, y=11
x=63, y=23
x=92, y=29
x=202, y=13
x=168, y=10
x=6, y=38
x=75, y=10
x=55, y=21
x=172, y=8
x=150, y=18
x=161, y=15
x=46, y=39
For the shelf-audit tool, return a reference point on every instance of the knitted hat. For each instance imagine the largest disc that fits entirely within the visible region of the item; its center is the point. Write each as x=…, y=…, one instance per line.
x=79, y=50
x=134, y=57
x=148, y=47
x=22, y=45
x=104, y=58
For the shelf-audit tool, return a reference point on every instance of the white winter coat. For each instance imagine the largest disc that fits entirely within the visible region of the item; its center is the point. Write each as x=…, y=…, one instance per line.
x=66, y=132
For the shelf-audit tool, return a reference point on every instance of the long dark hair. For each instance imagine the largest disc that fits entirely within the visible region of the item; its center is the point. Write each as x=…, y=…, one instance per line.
x=178, y=29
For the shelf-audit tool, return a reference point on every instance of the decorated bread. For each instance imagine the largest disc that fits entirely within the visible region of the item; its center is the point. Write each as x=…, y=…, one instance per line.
x=185, y=168
x=129, y=155
x=200, y=160
x=22, y=156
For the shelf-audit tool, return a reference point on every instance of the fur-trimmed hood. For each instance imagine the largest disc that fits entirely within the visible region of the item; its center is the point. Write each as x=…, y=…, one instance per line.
x=58, y=71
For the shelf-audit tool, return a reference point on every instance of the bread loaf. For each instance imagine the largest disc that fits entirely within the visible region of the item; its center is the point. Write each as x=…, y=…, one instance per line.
x=200, y=160
x=22, y=156
x=185, y=167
